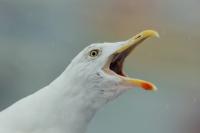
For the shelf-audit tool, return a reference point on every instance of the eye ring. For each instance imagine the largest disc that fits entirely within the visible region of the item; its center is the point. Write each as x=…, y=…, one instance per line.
x=94, y=53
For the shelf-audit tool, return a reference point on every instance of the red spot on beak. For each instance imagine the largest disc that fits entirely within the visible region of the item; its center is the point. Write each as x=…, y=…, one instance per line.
x=147, y=86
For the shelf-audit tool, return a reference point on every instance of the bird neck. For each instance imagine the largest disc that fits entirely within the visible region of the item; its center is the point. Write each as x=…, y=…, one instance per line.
x=61, y=107
x=72, y=104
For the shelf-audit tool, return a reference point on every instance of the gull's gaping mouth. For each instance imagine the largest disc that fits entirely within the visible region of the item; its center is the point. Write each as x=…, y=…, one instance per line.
x=115, y=63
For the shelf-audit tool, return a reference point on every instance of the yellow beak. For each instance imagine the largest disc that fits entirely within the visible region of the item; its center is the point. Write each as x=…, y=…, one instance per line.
x=131, y=43
x=137, y=39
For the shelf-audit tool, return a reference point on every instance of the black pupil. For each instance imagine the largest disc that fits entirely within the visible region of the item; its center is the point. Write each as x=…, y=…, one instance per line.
x=94, y=53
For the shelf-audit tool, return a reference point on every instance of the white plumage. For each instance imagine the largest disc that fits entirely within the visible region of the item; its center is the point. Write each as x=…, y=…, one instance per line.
x=67, y=105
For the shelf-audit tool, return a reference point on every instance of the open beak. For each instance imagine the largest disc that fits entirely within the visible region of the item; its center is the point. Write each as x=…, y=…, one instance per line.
x=115, y=65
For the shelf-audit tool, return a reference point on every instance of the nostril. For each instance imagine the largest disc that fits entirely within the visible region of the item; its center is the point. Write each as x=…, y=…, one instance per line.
x=138, y=36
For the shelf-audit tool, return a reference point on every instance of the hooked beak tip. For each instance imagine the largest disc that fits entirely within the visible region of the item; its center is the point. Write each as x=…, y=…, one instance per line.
x=151, y=33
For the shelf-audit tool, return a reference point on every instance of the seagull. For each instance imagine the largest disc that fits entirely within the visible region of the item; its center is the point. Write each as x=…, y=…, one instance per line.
x=67, y=105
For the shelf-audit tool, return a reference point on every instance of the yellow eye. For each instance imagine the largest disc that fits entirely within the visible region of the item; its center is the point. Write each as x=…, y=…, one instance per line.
x=94, y=53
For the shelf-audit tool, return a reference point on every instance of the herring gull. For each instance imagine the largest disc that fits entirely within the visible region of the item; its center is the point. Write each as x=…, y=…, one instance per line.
x=93, y=78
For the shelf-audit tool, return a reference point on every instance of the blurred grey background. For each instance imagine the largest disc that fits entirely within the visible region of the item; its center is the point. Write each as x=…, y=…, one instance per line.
x=38, y=39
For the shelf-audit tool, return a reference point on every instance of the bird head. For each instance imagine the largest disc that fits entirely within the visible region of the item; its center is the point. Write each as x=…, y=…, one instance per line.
x=99, y=67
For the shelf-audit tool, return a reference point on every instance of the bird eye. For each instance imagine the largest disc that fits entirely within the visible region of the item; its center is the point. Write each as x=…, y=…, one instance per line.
x=94, y=53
